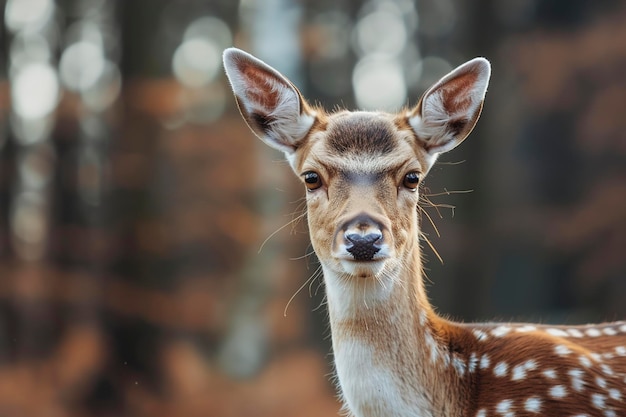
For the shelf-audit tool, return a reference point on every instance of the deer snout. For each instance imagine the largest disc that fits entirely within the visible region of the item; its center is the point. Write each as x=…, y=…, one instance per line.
x=363, y=248
x=363, y=237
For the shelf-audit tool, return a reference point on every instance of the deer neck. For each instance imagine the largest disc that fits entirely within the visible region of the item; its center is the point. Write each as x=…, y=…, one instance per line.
x=397, y=293
x=389, y=345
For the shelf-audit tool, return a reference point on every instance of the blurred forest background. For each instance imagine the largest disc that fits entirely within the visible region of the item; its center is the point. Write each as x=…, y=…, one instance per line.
x=134, y=200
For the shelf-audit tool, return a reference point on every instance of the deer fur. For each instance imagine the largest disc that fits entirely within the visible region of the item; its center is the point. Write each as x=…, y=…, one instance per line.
x=394, y=356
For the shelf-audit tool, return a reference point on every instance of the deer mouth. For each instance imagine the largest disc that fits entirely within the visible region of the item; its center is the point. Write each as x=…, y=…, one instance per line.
x=367, y=267
x=362, y=269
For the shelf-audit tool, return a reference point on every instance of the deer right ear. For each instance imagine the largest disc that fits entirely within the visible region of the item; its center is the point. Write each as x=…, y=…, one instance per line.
x=271, y=105
x=449, y=110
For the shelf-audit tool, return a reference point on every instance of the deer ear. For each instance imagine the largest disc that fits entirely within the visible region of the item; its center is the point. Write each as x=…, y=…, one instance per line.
x=271, y=105
x=448, y=111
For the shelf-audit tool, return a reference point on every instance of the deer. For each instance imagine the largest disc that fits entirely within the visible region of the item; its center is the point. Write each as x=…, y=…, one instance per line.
x=394, y=356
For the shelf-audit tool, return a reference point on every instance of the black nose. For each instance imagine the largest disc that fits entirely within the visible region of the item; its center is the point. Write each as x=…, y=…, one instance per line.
x=363, y=247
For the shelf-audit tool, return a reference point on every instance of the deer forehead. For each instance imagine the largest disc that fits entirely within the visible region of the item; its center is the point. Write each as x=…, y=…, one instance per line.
x=362, y=133
x=362, y=145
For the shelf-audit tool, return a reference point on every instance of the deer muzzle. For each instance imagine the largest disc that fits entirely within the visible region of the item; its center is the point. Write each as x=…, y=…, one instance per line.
x=362, y=237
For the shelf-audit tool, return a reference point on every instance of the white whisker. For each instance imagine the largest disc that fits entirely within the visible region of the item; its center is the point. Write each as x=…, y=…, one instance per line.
x=310, y=279
x=279, y=229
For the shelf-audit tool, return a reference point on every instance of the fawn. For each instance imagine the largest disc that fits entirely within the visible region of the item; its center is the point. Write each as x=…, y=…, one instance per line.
x=394, y=356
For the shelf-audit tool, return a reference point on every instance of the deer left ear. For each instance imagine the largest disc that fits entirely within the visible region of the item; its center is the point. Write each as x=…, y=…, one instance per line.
x=271, y=105
x=449, y=110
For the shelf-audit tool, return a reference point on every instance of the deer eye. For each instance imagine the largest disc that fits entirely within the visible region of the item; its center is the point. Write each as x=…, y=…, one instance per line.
x=411, y=180
x=312, y=180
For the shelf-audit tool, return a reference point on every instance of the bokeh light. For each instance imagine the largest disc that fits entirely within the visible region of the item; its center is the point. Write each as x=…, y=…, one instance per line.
x=106, y=89
x=30, y=131
x=381, y=38
x=35, y=90
x=197, y=60
x=382, y=31
x=81, y=64
x=29, y=224
x=27, y=47
x=379, y=84
x=27, y=15
x=210, y=27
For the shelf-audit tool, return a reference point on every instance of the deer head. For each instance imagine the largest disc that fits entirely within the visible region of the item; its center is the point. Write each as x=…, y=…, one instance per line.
x=361, y=170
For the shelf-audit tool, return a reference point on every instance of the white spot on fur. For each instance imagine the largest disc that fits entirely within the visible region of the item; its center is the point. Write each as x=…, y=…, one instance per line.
x=485, y=361
x=609, y=331
x=519, y=371
x=480, y=335
x=526, y=328
x=500, y=331
x=472, y=363
x=601, y=382
x=557, y=332
x=459, y=364
x=598, y=400
x=533, y=404
x=606, y=369
x=501, y=369
x=620, y=350
x=575, y=333
x=615, y=394
x=562, y=350
x=593, y=332
x=549, y=373
x=585, y=361
x=481, y=413
x=558, y=391
x=622, y=328
x=577, y=382
x=504, y=406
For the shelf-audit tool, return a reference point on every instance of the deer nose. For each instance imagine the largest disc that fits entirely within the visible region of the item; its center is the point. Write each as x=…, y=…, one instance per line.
x=363, y=247
x=363, y=237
